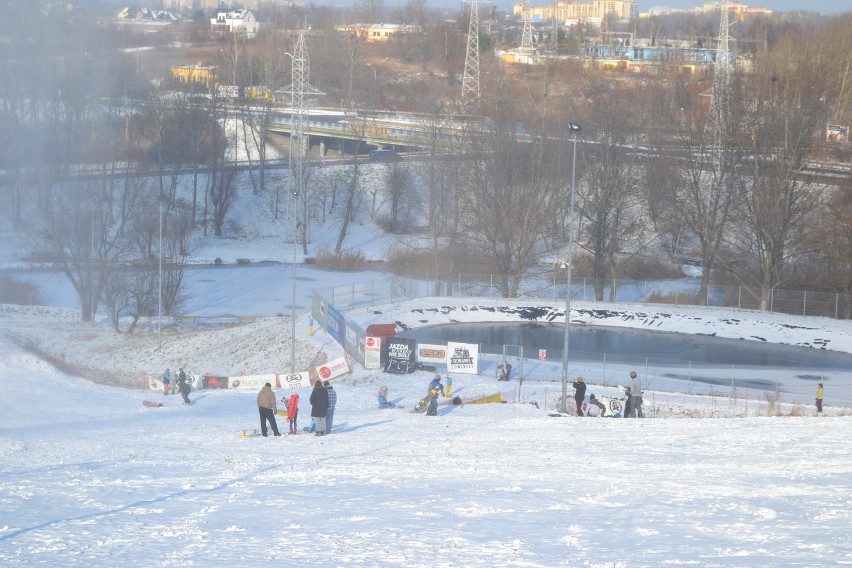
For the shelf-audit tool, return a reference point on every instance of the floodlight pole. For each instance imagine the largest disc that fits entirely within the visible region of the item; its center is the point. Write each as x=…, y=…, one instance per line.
x=160, y=278
x=575, y=130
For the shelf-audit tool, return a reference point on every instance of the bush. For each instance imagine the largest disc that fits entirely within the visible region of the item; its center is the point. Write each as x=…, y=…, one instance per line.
x=14, y=291
x=352, y=260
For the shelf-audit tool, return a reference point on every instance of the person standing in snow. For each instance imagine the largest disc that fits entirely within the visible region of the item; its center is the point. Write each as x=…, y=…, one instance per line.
x=820, y=393
x=332, y=402
x=184, y=389
x=634, y=404
x=293, y=412
x=319, y=407
x=167, y=380
x=579, y=394
x=267, y=408
x=436, y=386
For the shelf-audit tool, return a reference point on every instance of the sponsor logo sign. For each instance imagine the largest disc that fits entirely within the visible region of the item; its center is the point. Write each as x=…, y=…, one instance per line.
x=462, y=358
x=372, y=352
x=250, y=382
x=295, y=380
x=429, y=353
x=332, y=369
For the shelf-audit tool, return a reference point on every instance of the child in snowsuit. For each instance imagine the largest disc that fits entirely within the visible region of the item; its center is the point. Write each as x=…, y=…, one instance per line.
x=293, y=412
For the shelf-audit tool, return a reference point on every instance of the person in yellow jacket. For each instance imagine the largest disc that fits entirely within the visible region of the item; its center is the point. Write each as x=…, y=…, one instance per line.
x=820, y=394
x=267, y=408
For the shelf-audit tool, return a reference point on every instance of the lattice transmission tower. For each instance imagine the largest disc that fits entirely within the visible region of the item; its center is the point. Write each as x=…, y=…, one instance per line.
x=470, y=80
x=300, y=92
x=720, y=96
x=527, y=34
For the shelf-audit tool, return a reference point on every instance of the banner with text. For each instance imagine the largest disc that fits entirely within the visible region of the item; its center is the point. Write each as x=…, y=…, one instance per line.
x=462, y=358
x=430, y=353
x=373, y=353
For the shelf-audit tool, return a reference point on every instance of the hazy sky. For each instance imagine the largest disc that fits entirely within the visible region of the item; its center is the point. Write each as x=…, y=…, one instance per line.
x=822, y=6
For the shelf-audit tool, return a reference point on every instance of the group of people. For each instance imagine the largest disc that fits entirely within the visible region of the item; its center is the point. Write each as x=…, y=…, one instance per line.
x=633, y=407
x=182, y=385
x=323, y=401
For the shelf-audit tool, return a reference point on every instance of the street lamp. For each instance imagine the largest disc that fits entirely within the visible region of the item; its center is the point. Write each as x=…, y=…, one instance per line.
x=575, y=130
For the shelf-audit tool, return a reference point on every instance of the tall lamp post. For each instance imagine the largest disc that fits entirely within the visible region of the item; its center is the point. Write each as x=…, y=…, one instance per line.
x=575, y=130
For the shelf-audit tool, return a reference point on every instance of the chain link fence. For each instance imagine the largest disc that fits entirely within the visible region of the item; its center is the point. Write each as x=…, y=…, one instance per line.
x=683, y=292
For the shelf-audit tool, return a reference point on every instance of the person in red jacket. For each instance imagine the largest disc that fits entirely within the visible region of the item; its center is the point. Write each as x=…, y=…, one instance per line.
x=293, y=412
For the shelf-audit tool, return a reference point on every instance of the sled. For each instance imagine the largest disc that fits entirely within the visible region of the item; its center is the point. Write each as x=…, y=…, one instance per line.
x=496, y=397
x=249, y=433
x=152, y=404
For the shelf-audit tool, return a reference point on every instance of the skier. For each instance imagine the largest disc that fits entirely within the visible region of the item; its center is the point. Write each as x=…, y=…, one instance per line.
x=293, y=412
x=167, y=379
x=332, y=402
x=820, y=393
x=579, y=394
x=184, y=389
x=319, y=407
x=266, y=407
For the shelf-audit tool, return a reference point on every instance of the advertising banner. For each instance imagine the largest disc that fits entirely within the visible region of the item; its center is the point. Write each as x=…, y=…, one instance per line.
x=294, y=380
x=335, y=368
x=431, y=353
x=373, y=353
x=462, y=358
x=250, y=382
x=400, y=355
x=336, y=325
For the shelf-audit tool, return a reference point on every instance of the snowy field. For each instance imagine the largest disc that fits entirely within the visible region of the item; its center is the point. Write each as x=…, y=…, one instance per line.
x=91, y=477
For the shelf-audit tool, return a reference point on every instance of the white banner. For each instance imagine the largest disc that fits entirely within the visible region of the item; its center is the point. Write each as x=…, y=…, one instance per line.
x=332, y=369
x=295, y=380
x=372, y=352
x=462, y=358
x=429, y=353
x=250, y=382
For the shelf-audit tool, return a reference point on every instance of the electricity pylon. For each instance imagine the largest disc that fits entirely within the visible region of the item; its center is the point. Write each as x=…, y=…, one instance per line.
x=470, y=80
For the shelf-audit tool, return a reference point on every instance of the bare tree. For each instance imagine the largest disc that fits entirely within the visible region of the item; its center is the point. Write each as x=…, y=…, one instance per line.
x=508, y=198
x=222, y=197
x=608, y=199
x=786, y=112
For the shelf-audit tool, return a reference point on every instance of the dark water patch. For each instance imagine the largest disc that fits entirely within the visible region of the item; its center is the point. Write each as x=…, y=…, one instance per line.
x=631, y=346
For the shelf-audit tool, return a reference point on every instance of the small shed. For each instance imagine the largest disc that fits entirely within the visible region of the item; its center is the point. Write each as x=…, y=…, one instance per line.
x=381, y=330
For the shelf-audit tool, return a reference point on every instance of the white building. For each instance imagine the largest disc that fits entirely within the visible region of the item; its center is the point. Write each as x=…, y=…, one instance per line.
x=235, y=21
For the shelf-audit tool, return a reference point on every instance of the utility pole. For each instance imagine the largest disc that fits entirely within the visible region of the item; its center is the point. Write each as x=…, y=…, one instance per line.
x=299, y=161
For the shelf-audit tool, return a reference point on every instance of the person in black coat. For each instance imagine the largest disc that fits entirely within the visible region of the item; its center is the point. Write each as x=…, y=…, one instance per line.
x=579, y=394
x=319, y=407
